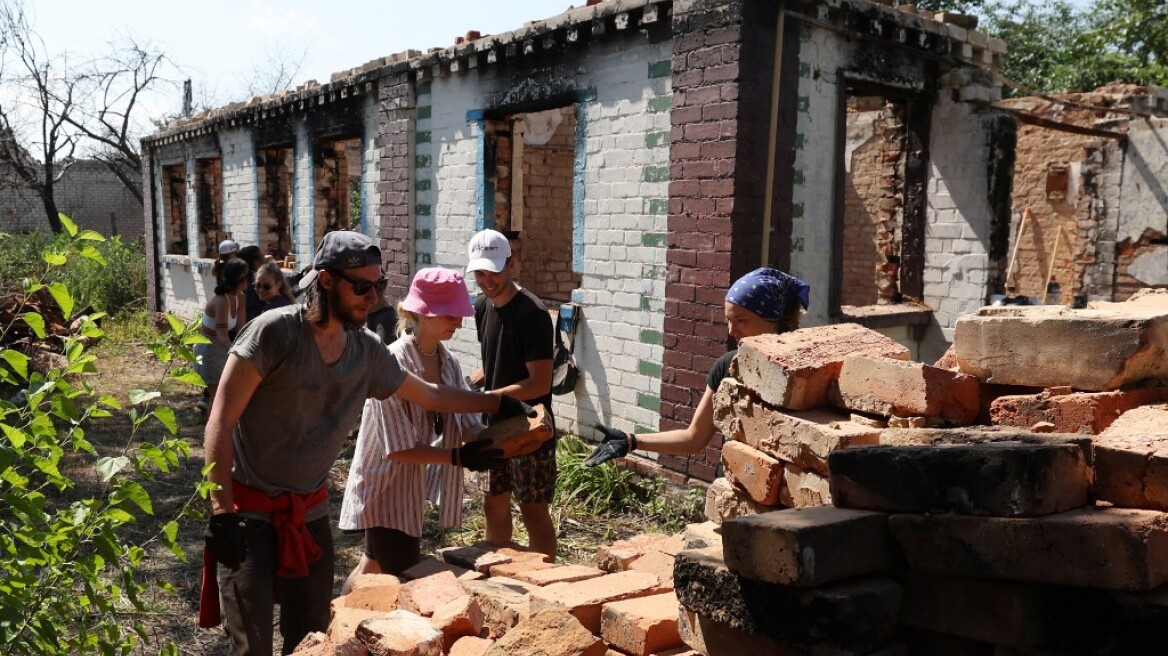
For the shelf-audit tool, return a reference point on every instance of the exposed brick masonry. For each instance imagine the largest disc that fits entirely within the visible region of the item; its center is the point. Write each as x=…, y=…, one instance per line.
x=396, y=123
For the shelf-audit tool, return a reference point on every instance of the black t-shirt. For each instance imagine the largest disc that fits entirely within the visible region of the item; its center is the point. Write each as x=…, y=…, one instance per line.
x=510, y=337
x=719, y=370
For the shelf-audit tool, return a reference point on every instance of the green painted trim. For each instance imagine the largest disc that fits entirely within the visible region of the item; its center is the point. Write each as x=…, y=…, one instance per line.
x=422, y=137
x=425, y=112
x=646, y=368
x=661, y=104
x=797, y=210
x=423, y=88
x=804, y=105
x=421, y=233
x=422, y=161
x=658, y=206
x=655, y=272
x=804, y=69
x=800, y=177
x=656, y=174
x=653, y=239
x=800, y=140
x=422, y=184
x=663, y=68
x=651, y=336
x=644, y=302
x=649, y=401
x=657, y=139
x=421, y=210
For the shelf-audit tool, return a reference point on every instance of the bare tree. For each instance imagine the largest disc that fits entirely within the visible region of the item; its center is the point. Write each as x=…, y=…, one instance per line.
x=276, y=72
x=39, y=108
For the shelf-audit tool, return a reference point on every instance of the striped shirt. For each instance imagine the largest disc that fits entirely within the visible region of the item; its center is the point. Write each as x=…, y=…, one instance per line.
x=385, y=493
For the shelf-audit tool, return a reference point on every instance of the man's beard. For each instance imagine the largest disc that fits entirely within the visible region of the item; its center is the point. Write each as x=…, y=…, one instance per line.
x=346, y=319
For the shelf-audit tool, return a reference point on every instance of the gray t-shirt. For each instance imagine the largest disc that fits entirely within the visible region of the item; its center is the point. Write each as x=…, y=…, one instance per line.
x=296, y=423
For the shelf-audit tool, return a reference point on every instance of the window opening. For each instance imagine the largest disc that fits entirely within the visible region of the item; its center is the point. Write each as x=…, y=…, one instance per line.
x=276, y=168
x=337, y=178
x=174, y=201
x=209, y=205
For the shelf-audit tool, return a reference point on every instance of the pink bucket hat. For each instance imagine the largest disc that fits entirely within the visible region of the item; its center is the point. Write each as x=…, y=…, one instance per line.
x=438, y=292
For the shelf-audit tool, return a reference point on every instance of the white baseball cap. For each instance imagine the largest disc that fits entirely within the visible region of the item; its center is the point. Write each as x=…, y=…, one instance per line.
x=488, y=250
x=228, y=246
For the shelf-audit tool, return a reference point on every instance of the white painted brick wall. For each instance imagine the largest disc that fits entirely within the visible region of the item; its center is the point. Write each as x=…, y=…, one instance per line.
x=240, y=196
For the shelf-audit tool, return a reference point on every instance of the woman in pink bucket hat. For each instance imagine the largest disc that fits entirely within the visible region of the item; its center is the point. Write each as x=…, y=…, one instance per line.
x=406, y=454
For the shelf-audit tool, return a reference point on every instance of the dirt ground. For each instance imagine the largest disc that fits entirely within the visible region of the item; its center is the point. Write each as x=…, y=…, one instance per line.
x=173, y=615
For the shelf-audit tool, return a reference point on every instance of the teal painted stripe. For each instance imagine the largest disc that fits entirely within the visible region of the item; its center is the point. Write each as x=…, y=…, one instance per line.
x=657, y=139
x=579, y=162
x=661, y=68
x=656, y=174
x=661, y=104
x=653, y=239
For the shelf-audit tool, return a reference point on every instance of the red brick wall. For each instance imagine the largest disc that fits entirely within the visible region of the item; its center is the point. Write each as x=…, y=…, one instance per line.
x=396, y=123
x=722, y=52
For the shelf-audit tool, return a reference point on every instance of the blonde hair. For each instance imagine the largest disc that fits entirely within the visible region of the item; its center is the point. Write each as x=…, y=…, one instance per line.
x=406, y=321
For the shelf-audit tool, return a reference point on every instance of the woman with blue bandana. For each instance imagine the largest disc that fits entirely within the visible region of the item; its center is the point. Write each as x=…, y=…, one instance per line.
x=763, y=301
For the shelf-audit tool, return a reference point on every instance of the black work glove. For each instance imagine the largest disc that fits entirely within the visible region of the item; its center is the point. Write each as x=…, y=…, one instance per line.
x=475, y=456
x=224, y=539
x=510, y=406
x=616, y=444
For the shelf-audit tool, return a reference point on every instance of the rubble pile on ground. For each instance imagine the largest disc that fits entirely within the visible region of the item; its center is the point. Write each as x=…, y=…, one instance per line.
x=482, y=602
x=1007, y=501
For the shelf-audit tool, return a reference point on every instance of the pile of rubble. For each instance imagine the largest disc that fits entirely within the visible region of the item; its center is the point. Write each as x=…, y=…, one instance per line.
x=476, y=602
x=1006, y=501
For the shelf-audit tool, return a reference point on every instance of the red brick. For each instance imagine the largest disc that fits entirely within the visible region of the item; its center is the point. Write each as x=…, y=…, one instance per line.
x=343, y=627
x=658, y=564
x=1131, y=460
x=803, y=488
x=423, y=596
x=431, y=566
x=503, y=604
x=1078, y=412
x=558, y=574
x=457, y=618
x=548, y=631
x=775, y=547
x=400, y=633
x=753, y=471
x=895, y=388
x=585, y=598
x=617, y=557
x=641, y=626
x=1112, y=548
x=804, y=438
x=724, y=501
x=470, y=646
x=794, y=370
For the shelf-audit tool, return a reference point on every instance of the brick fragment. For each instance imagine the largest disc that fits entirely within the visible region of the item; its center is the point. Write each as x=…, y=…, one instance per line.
x=474, y=558
x=1131, y=460
x=1043, y=346
x=548, y=632
x=517, y=568
x=753, y=471
x=371, y=594
x=895, y=388
x=617, y=556
x=807, y=546
x=803, y=488
x=641, y=626
x=470, y=646
x=503, y=605
x=558, y=574
x=1001, y=479
x=518, y=436
x=794, y=370
x=804, y=438
x=1078, y=412
x=343, y=627
x=400, y=633
x=431, y=566
x=584, y=599
x=658, y=564
x=725, y=501
x=457, y=618
x=423, y=596
x=1111, y=548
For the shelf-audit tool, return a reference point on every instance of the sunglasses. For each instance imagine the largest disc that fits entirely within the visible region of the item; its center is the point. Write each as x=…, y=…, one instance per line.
x=263, y=286
x=362, y=287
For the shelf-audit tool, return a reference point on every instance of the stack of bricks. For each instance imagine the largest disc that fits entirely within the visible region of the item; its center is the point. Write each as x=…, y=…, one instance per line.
x=478, y=601
x=1042, y=534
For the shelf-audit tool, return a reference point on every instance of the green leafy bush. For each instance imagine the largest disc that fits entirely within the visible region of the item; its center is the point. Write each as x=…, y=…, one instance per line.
x=108, y=275
x=599, y=489
x=68, y=556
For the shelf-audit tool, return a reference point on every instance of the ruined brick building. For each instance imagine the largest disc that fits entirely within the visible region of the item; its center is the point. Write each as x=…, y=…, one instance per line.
x=645, y=153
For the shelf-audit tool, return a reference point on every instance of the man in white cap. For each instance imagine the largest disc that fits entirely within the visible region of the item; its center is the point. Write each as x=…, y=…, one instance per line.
x=515, y=337
x=293, y=387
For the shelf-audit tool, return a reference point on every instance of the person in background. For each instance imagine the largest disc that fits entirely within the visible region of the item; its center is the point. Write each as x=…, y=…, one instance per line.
x=228, y=250
x=515, y=338
x=272, y=287
x=383, y=320
x=763, y=301
x=223, y=313
x=255, y=259
x=294, y=384
x=406, y=454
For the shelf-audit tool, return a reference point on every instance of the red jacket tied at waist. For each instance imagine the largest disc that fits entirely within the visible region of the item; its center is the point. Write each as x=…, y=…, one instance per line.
x=294, y=544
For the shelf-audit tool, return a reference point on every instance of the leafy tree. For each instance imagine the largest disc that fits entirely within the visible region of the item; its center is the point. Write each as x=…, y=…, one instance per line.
x=67, y=554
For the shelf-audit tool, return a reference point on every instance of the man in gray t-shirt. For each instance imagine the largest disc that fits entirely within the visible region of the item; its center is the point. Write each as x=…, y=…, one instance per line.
x=294, y=385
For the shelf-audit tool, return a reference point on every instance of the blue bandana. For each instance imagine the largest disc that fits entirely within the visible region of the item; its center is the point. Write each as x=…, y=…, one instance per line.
x=766, y=292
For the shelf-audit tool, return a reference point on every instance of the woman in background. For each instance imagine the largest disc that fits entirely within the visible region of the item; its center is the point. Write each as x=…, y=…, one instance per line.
x=763, y=301
x=224, y=313
x=272, y=287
